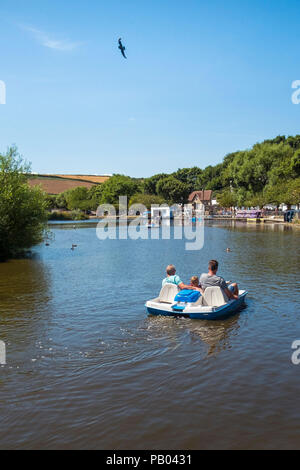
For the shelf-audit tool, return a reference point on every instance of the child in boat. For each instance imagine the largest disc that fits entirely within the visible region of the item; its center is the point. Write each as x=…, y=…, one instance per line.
x=195, y=283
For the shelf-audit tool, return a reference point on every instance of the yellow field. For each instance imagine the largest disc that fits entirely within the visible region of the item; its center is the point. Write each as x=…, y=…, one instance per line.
x=90, y=178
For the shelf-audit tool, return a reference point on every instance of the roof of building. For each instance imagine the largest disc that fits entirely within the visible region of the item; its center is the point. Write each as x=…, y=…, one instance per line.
x=204, y=196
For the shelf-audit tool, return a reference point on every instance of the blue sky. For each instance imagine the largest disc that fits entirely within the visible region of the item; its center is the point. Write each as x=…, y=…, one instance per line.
x=202, y=79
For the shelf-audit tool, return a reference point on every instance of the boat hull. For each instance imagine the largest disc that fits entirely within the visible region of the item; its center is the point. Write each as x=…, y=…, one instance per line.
x=198, y=313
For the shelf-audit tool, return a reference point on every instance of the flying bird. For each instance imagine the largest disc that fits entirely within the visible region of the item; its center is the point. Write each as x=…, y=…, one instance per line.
x=122, y=48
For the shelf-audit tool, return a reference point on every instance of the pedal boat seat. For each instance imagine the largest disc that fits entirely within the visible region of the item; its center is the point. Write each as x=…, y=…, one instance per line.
x=214, y=297
x=168, y=293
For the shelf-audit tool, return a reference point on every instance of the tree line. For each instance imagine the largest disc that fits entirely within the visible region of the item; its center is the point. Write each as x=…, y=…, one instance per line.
x=268, y=173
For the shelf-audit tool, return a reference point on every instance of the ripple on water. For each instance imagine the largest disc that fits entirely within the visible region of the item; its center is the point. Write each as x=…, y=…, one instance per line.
x=88, y=369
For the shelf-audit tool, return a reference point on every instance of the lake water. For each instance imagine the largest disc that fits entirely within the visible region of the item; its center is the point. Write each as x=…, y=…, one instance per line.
x=87, y=368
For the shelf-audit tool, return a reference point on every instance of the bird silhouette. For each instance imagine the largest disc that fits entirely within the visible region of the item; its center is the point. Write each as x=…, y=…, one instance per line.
x=122, y=48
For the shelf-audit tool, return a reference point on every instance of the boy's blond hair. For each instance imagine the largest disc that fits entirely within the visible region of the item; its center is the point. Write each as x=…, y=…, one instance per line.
x=171, y=270
x=195, y=281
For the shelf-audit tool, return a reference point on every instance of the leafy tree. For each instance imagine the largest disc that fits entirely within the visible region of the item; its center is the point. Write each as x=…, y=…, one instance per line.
x=258, y=175
x=282, y=169
x=77, y=199
x=251, y=173
x=119, y=185
x=151, y=183
x=210, y=178
x=146, y=199
x=189, y=176
x=278, y=140
x=51, y=202
x=23, y=210
x=274, y=194
x=227, y=199
x=256, y=200
x=95, y=195
x=254, y=169
x=172, y=190
x=294, y=142
x=295, y=164
x=292, y=193
x=61, y=202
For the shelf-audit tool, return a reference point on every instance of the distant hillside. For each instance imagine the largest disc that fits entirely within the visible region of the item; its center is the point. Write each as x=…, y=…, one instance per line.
x=56, y=184
x=89, y=178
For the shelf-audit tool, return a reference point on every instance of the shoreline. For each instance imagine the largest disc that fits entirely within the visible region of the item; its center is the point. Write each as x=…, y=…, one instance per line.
x=94, y=221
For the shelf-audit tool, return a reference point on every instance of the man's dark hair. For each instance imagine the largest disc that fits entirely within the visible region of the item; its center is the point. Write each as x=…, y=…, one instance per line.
x=213, y=265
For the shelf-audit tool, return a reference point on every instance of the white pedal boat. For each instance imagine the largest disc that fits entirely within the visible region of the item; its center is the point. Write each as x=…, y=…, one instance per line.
x=211, y=306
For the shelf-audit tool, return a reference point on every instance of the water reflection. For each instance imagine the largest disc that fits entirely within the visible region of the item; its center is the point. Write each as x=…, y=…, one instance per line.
x=216, y=334
x=107, y=376
x=24, y=300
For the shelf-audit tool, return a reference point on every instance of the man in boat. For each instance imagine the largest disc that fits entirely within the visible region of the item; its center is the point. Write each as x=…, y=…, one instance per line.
x=212, y=280
x=173, y=278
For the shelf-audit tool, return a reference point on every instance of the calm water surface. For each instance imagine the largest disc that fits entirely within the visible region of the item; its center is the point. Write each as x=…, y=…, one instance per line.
x=87, y=368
